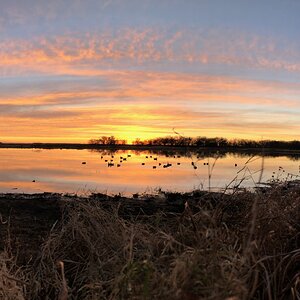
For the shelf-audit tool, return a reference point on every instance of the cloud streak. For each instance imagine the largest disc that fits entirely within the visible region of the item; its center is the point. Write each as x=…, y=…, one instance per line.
x=136, y=88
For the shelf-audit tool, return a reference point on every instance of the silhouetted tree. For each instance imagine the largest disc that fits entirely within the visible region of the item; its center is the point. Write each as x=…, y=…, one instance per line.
x=107, y=140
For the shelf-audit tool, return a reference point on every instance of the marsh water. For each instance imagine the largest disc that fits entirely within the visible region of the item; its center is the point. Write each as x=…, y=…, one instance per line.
x=128, y=172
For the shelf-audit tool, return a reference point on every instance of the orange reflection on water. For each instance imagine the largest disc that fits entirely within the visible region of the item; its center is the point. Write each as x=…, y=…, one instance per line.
x=84, y=171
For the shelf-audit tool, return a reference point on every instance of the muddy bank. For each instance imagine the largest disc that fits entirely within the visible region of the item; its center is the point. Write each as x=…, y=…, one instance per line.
x=27, y=219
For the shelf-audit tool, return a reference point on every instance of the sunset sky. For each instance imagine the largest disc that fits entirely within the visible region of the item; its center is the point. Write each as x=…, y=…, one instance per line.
x=72, y=70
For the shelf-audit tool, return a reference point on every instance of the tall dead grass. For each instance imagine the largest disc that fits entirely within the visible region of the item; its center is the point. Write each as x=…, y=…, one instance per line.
x=12, y=277
x=243, y=246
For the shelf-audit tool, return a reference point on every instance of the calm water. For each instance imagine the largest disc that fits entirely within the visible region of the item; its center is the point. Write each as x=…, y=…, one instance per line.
x=83, y=171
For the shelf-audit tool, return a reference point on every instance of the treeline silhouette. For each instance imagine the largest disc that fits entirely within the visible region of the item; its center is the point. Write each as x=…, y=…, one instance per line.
x=201, y=142
x=107, y=140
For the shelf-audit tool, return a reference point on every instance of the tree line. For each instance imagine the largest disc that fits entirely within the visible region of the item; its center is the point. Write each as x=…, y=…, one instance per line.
x=200, y=142
x=107, y=140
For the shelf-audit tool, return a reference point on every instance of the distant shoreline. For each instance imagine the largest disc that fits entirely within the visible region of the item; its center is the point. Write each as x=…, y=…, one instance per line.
x=78, y=146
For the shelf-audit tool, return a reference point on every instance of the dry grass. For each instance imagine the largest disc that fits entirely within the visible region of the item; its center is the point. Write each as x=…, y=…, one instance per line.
x=243, y=246
x=12, y=278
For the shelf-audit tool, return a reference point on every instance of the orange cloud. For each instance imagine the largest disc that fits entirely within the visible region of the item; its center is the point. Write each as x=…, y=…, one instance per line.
x=130, y=46
x=173, y=88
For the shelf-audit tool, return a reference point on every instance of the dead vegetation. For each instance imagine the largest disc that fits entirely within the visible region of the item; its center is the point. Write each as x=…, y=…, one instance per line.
x=211, y=246
x=12, y=278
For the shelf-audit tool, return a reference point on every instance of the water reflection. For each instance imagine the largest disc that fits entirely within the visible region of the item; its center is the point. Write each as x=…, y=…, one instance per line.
x=120, y=171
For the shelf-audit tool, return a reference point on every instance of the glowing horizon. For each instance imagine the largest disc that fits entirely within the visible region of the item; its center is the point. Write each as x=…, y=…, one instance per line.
x=73, y=70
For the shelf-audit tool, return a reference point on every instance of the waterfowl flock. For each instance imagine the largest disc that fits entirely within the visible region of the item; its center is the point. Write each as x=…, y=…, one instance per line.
x=167, y=161
x=150, y=160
